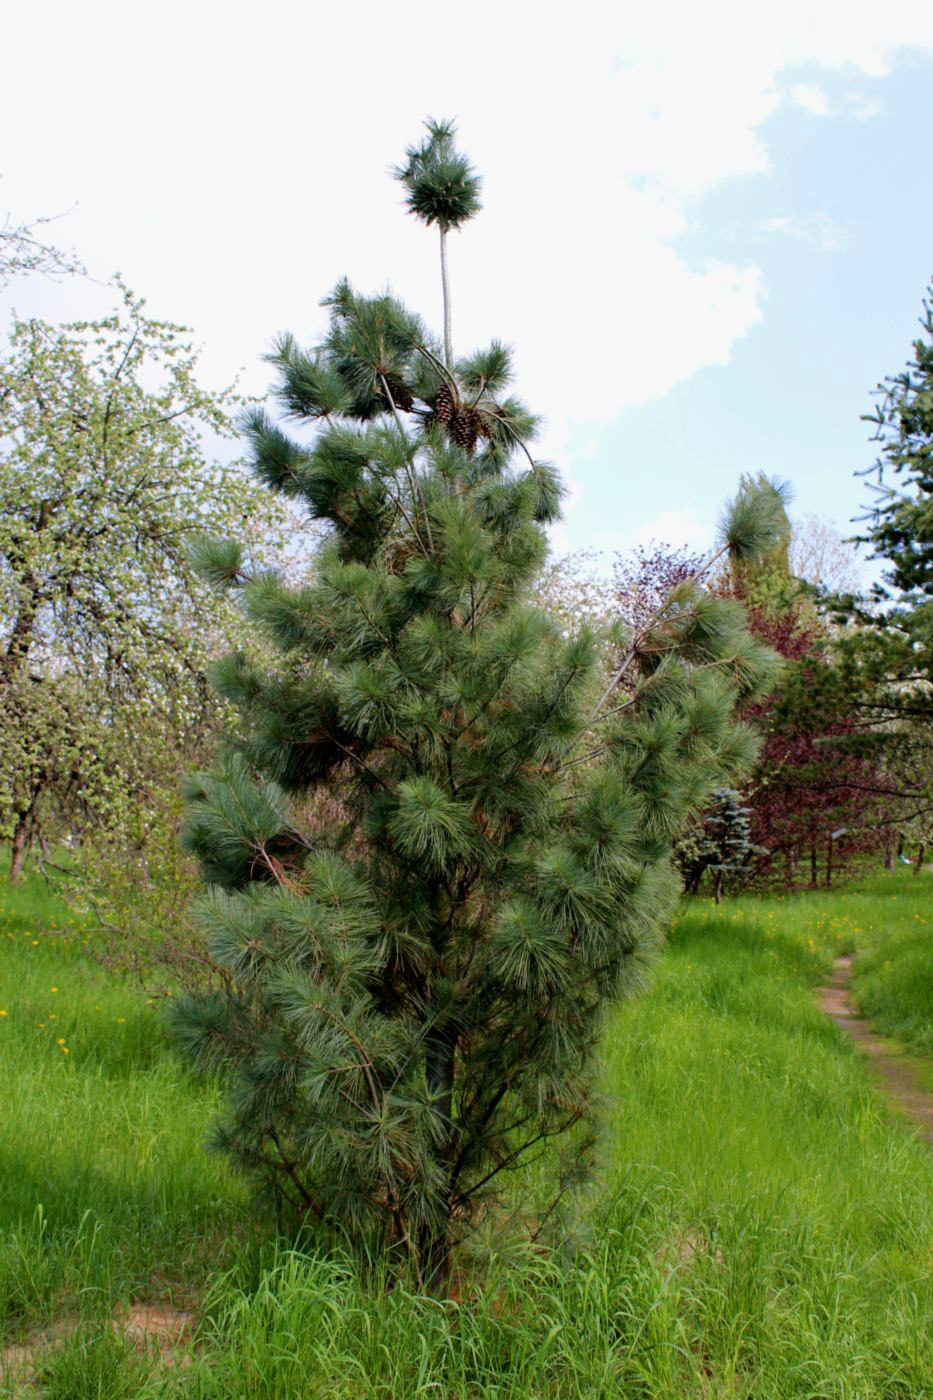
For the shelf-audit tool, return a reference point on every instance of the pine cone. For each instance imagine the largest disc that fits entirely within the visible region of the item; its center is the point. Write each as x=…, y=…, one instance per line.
x=400, y=392
x=444, y=405
x=465, y=429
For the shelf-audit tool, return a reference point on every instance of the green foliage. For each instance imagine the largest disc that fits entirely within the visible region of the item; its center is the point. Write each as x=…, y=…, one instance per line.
x=901, y=528
x=883, y=655
x=721, y=843
x=755, y=525
x=442, y=187
x=105, y=626
x=416, y=1008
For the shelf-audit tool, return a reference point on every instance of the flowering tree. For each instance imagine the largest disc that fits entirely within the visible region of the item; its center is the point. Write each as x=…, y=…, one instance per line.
x=105, y=630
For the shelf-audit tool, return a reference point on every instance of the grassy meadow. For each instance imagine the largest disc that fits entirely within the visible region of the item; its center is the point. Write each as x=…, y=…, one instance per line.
x=761, y=1224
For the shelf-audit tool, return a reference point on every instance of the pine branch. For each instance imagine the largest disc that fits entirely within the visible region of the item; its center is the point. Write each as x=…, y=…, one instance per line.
x=648, y=628
x=416, y=495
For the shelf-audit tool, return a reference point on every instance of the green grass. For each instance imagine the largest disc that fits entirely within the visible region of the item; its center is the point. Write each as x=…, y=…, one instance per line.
x=893, y=981
x=103, y=1187
x=761, y=1225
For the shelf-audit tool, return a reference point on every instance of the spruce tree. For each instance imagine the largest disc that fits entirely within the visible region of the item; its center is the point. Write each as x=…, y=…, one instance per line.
x=434, y=856
x=721, y=843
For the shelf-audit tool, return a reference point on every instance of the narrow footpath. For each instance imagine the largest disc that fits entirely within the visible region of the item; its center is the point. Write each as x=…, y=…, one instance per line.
x=895, y=1074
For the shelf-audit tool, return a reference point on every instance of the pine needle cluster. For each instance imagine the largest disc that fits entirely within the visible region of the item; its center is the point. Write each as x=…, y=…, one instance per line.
x=411, y=996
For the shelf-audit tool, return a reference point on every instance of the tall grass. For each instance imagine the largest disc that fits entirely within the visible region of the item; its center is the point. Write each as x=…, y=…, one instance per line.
x=893, y=982
x=103, y=1186
x=760, y=1227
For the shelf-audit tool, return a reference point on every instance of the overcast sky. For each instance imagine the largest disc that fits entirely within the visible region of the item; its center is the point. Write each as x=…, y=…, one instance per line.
x=707, y=228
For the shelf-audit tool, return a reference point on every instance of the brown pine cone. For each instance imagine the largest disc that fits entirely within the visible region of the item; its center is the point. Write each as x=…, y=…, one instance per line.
x=465, y=429
x=400, y=393
x=444, y=405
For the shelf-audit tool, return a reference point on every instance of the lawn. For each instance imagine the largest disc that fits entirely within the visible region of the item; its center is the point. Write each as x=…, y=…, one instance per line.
x=760, y=1225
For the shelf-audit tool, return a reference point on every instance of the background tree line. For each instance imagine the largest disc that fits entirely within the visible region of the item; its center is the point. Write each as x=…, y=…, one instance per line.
x=109, y=470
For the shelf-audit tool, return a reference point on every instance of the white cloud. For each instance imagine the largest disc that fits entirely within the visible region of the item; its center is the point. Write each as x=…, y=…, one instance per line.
x=811, y=98
x=861, y=107
x=232, y=161
x=818, y=230
x=682, y=529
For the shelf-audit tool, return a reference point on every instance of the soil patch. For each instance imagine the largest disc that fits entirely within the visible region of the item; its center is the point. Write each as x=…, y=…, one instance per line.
x=896, y=1075
x=154, y=1329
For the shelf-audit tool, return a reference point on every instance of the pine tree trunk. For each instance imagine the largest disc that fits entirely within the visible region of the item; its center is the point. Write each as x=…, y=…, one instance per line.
x=435, y=1239
x=440, y=1044
x=717, y=887
x=829, y=863
x=439, y=1069
x=445, y=286
x=814, y=880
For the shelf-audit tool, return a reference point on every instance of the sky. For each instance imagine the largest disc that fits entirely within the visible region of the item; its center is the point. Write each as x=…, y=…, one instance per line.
x=707, y=229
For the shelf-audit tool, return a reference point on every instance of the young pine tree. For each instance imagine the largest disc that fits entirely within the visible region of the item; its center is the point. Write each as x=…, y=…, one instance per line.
x=412, y=988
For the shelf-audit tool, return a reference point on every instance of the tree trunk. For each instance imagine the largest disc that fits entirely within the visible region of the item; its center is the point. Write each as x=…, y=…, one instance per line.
x=434, y=1243
x=918, y=863
x=435, y=1259
x=889, y=857
x=30, y=600
x=790, y=866
x=439, y=1070
x=814, y=881
x=20, y=845
x=829, y=863
x=717, y=887
x=445, y=288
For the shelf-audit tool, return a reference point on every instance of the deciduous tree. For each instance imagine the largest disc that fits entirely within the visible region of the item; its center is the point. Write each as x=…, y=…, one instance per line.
x=104, y=627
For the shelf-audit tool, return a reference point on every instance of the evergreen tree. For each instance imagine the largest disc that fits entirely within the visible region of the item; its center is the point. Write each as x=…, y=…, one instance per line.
x=411, y=994
x=883, y=658
x=721, y=844
x=901, y=523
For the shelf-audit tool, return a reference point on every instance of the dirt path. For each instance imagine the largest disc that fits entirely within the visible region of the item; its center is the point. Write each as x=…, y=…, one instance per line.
x=891, y=1068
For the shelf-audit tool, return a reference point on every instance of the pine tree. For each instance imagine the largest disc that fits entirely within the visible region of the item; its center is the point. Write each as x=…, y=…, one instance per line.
x=412, y=984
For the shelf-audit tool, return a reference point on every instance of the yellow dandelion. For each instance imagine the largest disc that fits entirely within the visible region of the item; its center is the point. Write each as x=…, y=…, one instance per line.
x=64, y=1049
x=60, y=1040
x=2, y=1013
x=35, y=942
x=54, y=989
x=121, y=1020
